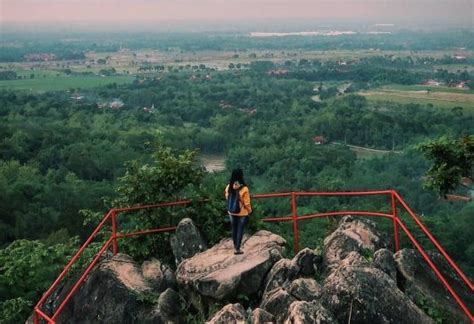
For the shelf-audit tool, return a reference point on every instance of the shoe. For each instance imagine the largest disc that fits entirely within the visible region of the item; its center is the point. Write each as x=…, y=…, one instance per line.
x=238, y=252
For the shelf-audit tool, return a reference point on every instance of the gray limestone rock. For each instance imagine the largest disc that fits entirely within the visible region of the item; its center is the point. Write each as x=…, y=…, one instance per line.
x=306, y=289
x=383, y=260
x=365, y=294
x=187, y=241
x=231, y=313
x=276, y=302
x=303, y=312
x=352, y=234
x=261, y=316
x=220, y=275
x=421, y=285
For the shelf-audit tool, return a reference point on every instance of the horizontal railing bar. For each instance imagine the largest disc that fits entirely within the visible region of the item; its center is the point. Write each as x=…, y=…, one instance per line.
x=344, y=193
x=73, y=260
x=435, y=269
x=272, y=195
x=44, y=316
x=344, y=213
x=435, y=242
x=326, y=214
x=82, y=278
x=166, y=204
x=277, y=219
x=145, y=232
x=324, y=193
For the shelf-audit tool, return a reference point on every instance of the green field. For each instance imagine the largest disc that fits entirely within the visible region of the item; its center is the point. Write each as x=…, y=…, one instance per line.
x=438, y=96
x=57, y=83
x=469, y=107
x=420, y=87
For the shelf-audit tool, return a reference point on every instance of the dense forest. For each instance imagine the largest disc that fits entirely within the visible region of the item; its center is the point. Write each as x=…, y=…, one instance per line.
x=64, y=161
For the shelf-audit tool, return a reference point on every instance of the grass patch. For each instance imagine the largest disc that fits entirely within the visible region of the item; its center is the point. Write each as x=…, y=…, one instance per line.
x=365, y=154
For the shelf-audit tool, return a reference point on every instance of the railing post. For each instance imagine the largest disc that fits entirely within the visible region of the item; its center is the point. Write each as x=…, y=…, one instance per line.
x=114, y=233
x=395, y=223
x=35, y=317
x=296, y=238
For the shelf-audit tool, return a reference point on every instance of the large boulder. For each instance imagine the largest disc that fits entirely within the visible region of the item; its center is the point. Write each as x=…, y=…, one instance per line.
x=303, y=312
x=220, y=275
x=357, y=292
x=231, y=313
x=186, y=241
x=352, y=234
x=421, y=285
x=116, y=291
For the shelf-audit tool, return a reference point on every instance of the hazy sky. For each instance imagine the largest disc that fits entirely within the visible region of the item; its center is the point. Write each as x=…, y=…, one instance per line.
x=123, y=11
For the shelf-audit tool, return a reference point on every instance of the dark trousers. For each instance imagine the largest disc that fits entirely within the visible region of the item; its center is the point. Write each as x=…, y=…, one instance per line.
x=238, y=224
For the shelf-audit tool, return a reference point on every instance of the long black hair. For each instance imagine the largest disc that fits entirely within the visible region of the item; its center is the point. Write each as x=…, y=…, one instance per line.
x=237, y=175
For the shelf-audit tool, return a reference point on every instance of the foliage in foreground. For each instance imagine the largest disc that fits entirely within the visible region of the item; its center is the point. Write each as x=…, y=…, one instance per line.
x=27, y=269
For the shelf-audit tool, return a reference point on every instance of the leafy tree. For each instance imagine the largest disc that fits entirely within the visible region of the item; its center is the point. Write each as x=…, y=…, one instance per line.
x=452, y=159
x=167, y=178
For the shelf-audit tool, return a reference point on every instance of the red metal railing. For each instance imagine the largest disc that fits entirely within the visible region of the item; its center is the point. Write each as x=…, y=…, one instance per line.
x=396, y=202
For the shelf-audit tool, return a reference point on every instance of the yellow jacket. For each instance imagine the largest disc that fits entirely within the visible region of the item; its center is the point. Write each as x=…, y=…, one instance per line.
x=245, y=206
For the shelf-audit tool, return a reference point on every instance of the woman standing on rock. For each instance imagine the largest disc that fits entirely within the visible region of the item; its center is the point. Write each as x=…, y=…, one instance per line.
x=238, y=206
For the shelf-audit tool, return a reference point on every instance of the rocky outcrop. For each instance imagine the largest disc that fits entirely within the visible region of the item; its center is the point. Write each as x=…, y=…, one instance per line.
x=357, y=280
x=187, y=241
x=219, y=274
x=231, y=313
x=360, y=284
x=421, y=285
x=357, y=292
x=303, y=312
x=352, y=234
x=118, y=291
